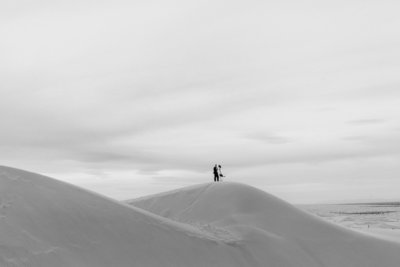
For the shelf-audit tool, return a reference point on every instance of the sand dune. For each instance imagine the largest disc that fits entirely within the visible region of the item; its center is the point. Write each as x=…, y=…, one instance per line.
x=47, y=223
x=270, y=227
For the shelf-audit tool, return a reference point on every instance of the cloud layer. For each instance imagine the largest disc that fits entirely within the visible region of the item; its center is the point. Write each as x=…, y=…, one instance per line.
x=123, y=93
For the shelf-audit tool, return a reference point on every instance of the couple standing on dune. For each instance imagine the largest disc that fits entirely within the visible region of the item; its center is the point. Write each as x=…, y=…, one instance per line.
x=217, y=173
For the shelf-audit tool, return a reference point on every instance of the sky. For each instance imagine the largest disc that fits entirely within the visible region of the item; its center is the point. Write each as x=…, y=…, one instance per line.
x=129, y=98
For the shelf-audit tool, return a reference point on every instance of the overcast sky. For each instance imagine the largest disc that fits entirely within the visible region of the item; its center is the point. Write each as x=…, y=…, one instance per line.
x=300, y=98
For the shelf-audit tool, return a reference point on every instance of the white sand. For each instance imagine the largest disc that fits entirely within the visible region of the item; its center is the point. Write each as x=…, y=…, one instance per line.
x=47, y=223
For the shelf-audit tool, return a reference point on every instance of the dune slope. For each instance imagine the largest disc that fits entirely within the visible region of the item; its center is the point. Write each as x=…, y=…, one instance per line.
x=272, y=230
x=47, y=223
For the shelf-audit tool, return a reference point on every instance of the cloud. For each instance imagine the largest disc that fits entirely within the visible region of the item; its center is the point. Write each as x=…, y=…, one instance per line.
x=356, y=138
x=367, y=121
x=268, y=138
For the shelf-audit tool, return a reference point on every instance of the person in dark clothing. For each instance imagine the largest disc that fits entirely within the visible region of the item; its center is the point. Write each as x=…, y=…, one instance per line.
x=216, y=175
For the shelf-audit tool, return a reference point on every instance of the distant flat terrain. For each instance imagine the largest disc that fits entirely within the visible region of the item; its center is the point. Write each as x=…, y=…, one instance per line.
x=380, y=219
